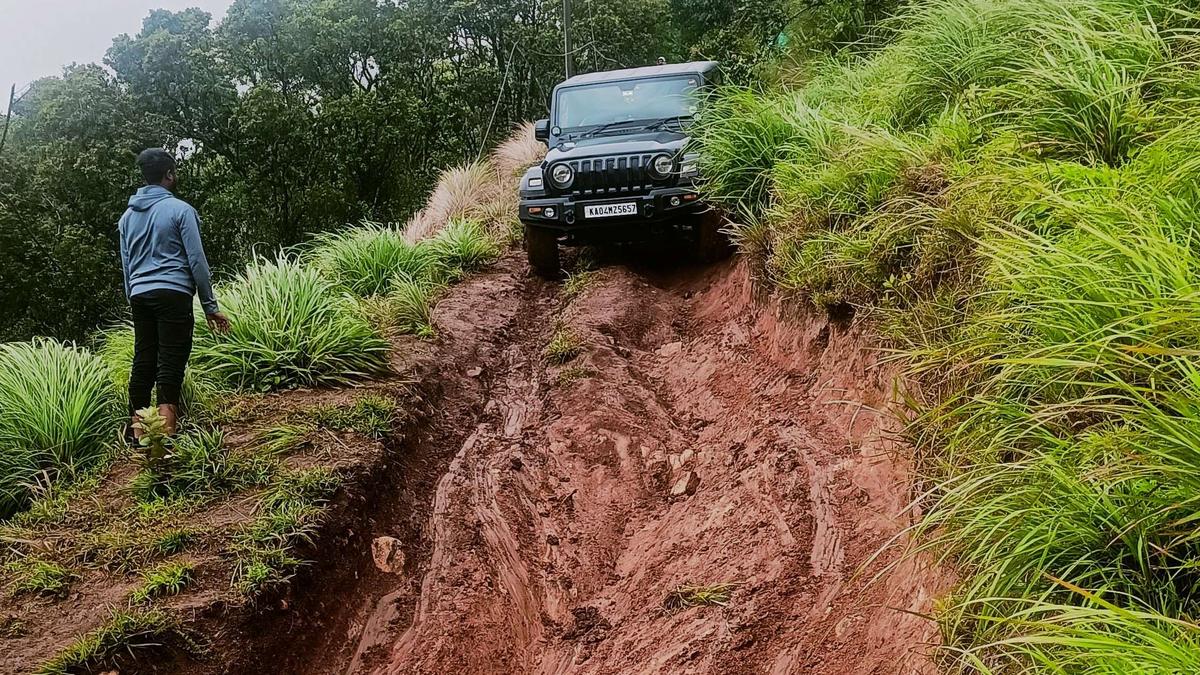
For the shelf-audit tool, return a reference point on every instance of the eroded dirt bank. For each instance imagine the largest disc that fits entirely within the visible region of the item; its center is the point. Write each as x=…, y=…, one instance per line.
x=697, y=439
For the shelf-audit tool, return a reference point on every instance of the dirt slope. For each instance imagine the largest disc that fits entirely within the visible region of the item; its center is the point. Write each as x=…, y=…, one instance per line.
x=697, y=439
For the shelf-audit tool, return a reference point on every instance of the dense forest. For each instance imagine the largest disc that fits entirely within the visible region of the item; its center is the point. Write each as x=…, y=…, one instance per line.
x=298, y=116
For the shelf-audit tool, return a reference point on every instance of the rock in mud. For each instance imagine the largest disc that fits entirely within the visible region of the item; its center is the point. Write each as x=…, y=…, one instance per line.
x=670, y=349
x=388, y=555
x=686, y=485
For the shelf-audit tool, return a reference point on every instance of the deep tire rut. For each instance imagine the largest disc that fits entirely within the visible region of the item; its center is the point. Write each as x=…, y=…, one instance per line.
x=684, y=446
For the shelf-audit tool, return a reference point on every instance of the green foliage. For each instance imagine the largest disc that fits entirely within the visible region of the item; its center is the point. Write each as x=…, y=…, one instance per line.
x=364, y=259
x=38, y=576
x=175, y=540
x=370, y=415
x=410, y=306
x=563, y=347
x=291, y=328
x=1009, y=187
x=462, y=246
x=56, y=412
x=288, y=515
x=121, y=634
x=164, y=580
x=199, y=465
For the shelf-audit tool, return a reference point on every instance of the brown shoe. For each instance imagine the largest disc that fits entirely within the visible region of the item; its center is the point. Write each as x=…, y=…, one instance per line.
x=170, y=415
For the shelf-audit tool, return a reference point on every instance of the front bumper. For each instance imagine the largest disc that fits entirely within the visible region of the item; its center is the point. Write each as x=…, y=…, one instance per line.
x=568, y=213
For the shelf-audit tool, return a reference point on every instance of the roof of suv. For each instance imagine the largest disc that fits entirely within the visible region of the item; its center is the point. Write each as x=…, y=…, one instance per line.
x=645, y=71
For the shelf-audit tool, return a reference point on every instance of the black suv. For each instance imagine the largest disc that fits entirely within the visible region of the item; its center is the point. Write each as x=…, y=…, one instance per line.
x=618, y=167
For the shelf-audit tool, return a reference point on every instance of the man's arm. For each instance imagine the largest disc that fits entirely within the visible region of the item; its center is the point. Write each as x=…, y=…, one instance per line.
x=189, y=230
x=124, y=254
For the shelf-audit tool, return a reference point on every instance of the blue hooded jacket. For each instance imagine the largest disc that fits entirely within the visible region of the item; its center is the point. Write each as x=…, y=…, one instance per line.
x=161, y=249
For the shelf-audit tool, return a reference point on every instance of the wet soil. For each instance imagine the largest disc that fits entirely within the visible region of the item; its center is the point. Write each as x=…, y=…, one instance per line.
x=708, y=486
x=700, y=440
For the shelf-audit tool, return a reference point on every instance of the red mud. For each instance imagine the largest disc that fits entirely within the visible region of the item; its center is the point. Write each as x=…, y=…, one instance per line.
x=698, y=439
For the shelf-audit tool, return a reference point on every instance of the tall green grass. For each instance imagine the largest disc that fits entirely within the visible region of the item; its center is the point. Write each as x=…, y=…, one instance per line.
x=57, y=411
x=291, y=327
x=364, y=259
x=1009, y=189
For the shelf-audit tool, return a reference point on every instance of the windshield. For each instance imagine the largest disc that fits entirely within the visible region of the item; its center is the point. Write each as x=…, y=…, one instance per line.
x=614, y=102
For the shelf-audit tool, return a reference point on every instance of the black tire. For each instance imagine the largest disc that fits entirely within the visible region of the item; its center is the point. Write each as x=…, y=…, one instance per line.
x=541, y=246
x=711, y=243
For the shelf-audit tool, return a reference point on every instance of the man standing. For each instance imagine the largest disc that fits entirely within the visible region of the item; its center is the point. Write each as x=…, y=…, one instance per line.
x=164, y=266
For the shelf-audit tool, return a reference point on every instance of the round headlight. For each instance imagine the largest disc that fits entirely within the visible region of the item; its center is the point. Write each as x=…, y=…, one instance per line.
x=662, y=165
x=562, y=174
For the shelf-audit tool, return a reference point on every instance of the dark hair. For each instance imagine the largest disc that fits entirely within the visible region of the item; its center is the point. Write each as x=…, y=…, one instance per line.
x=155, y=164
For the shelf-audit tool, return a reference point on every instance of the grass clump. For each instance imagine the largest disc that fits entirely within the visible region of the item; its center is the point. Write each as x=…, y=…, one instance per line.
x=121, y=636
x=410, y=306
x=690, y=595
x=200, y=465
x=175, y=540
x=57, y=411
x=164, y=580
x=370, y=415
x=563, y=347
x=264, y=550
x=364, y=259
x=463, y=246
x=290, y=328
x=38, y=576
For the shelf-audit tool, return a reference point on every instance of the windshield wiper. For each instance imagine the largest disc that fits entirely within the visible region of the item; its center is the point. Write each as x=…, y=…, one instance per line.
x=660, y=124
x=603, y=127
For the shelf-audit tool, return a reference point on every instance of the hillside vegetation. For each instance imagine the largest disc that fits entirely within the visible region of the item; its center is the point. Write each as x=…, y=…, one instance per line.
x=1008, y=189
x=317, y=315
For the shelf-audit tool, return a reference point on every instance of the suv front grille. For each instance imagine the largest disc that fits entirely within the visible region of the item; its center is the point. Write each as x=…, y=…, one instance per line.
x=628, y=174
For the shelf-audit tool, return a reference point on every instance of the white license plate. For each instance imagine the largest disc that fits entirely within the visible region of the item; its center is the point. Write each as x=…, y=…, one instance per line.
x=609, y=210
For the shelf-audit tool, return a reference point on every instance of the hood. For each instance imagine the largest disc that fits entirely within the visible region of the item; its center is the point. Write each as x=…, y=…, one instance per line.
x=148, y=196
x=623, y=144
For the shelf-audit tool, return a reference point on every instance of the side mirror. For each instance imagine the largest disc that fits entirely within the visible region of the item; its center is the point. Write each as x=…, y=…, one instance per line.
x=541, y=130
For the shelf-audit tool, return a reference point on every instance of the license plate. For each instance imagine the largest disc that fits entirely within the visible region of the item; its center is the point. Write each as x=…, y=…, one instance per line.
x=610, y=210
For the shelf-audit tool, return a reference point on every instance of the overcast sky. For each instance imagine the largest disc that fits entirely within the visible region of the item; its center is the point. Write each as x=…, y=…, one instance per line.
x=39, y=37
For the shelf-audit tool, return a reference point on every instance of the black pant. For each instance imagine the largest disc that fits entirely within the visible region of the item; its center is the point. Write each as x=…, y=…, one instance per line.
x=162, y=342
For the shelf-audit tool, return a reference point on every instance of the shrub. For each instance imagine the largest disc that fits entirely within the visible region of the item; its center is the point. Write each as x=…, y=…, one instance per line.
x=290, y=328
x=56, y=411
x=462, y=246
x=364, y=259
x=410, y=306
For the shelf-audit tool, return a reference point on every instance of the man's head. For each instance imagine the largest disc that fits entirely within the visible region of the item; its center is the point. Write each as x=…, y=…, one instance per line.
x=158, y=167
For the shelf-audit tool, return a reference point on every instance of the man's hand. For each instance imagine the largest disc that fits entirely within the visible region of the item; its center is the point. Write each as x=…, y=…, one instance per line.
x=218, y=322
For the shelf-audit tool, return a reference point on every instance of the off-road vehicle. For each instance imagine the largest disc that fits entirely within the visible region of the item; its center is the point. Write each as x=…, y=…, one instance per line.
x=619, y=168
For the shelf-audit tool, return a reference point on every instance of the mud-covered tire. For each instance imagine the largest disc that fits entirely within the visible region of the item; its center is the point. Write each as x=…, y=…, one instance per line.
x=710, y=243
x=541, y=247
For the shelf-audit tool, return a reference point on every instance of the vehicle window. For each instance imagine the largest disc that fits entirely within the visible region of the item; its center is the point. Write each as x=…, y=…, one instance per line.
x=649, y=99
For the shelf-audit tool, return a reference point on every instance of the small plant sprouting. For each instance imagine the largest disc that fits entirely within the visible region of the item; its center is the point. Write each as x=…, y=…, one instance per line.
x=577, y=282
x=164, y=580
x=39, y=576
x=153, y=440
x=563, y=347
x=175, y=540
x=572, y=373
x=690, y=595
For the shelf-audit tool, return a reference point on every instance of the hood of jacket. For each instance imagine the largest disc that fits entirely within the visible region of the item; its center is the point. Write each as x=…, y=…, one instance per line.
x=148, y=196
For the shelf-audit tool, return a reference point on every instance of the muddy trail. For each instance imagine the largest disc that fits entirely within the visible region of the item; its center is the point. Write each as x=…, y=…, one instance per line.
x=694, y=491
